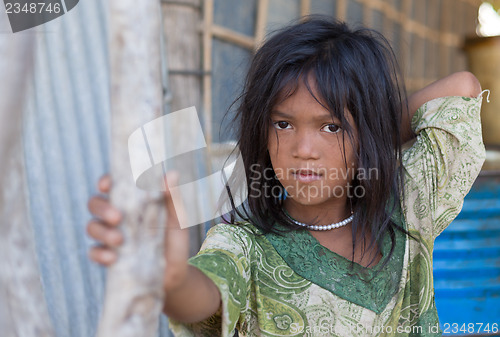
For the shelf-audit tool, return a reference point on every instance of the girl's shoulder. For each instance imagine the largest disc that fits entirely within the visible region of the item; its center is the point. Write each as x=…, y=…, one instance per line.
x=240, y=230
x=237, y=226
x=240, y=238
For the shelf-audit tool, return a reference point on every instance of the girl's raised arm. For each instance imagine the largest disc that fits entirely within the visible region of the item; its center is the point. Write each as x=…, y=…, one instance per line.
x=462, y=83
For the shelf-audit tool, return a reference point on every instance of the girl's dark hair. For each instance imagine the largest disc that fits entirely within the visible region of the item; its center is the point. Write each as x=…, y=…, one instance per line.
x=353, y=69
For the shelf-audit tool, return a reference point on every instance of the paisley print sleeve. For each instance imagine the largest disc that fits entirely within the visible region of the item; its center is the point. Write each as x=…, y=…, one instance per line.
x=223, y=258
x=443, y=163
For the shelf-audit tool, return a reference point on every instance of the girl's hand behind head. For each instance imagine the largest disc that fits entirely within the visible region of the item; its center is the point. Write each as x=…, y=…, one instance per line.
x=104, y=227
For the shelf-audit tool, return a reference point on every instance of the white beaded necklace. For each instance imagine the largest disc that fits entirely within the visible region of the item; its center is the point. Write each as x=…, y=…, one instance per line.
x=324, y=227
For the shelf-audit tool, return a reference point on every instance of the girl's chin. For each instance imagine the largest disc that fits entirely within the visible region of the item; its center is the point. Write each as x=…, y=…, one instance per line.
x=316, y=194
x=309, y=201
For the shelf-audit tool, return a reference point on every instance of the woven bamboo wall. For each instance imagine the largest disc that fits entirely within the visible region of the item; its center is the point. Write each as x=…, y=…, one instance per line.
x=427, y=36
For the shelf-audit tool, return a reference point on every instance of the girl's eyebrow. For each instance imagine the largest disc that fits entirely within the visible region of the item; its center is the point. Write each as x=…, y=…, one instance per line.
x=285, y=115
x=281, y=114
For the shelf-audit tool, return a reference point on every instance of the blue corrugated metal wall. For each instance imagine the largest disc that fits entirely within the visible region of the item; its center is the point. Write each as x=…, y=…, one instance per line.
x=467, y=263
x=65, y=143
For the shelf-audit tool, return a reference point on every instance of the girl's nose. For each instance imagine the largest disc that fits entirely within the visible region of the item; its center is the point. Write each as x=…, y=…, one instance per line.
x=305, y=146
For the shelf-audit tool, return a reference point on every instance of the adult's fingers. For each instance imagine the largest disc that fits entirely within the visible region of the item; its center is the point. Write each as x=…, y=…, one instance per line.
x=177, y=239
x=101, y=208
x=175, y=211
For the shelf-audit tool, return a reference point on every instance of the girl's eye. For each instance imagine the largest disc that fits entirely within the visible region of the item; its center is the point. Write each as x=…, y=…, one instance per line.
x=332, y=128
x=281, y=125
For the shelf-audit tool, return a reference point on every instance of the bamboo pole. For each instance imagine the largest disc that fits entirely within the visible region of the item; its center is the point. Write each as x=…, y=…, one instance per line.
x=134, y=292
x=261, y=22
x=23, y=310
x=208, y=17
x=305, y=7
x=229, y=35
x=341, y=10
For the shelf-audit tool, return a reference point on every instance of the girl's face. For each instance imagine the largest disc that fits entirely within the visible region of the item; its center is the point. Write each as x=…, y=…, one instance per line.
x=306, y=147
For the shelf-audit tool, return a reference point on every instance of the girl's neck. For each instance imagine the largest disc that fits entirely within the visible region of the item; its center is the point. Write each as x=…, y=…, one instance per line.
x=321, y=215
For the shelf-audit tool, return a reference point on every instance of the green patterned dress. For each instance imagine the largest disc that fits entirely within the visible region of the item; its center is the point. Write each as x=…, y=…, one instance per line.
x=293, y=286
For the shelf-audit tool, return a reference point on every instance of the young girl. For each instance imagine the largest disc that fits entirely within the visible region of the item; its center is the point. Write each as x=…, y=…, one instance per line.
x=345, y=246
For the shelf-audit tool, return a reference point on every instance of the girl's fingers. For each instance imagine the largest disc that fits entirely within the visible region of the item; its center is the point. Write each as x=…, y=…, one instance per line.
x=171, y=180
x=101, y=208
x=177, y=239
x=104, y=184
x=102, y=255
x=106, y=235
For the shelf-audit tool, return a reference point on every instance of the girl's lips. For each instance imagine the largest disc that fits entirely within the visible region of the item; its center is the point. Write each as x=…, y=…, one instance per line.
x=306, y=176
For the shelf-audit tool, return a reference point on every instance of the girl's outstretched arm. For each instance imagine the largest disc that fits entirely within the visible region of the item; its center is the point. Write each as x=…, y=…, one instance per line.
x=196, y=299
x=461, y=83
x=190, y=295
